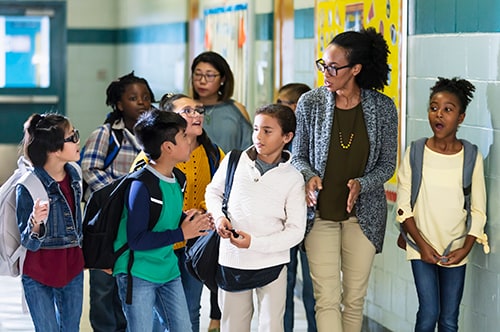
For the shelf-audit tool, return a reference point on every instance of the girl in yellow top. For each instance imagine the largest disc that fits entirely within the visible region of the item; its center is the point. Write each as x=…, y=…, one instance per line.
x=202, y=164
x=438, y=216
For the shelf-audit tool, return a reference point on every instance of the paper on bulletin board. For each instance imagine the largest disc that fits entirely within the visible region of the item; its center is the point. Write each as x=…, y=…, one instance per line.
x=334, y=17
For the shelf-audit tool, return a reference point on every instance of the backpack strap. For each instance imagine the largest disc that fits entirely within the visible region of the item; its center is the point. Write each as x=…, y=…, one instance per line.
x=35, y=187
x=234, y=157
x=214, y=163
x=470, y=155
x=114, y=145
x=416, y=162
x=155, y=206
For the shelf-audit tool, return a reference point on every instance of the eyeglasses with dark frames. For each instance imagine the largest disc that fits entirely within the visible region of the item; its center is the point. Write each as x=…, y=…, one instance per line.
x=331, y=69
x=75, y=138
x=192, y=112
x=209, y=77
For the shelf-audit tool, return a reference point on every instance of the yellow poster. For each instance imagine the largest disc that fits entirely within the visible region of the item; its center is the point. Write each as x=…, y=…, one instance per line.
x=336, y=16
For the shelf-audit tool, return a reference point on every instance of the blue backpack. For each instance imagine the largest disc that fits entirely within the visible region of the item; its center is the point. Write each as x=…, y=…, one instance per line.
x=114, y=146
x=416, y=161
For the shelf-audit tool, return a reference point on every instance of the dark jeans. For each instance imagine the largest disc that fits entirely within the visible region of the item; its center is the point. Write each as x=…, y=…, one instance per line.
x=439, y=291
x=106, y=314
x=307, y=290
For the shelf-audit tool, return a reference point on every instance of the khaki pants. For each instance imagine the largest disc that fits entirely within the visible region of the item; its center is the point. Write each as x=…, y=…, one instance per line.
x=237, y=307
x=334, y=247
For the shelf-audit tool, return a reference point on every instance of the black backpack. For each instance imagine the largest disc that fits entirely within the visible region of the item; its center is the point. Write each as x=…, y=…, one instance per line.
x=102, y=217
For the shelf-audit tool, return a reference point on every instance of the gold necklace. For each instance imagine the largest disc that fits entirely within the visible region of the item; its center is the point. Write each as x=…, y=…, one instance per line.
x=351, y=136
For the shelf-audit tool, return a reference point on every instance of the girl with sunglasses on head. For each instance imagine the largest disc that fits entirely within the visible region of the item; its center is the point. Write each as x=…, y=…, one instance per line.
x=51, y=231
x=199, y=169
x=346, y=148
x=226, y=121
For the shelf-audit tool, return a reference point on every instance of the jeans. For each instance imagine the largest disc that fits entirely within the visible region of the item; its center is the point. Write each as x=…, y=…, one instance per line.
x=106, y=314
x=167, y=299
x=55, y=309
x=307, y=290
x=439, y=291
x=192, y=288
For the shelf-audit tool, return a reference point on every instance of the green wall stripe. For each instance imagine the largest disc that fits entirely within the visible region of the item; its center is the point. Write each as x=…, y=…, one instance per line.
x=457, y=16
x=177, y=33
x=264, y=30
x=171, y=33
x=304, y=23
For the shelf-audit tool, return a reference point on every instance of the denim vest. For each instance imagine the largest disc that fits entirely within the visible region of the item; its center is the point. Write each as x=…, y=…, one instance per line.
x=62, y=230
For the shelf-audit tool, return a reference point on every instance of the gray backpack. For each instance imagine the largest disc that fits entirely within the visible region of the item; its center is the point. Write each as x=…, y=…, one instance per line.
x=12, y=253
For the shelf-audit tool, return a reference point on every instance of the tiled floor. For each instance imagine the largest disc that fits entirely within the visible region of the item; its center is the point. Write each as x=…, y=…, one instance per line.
x=12, y=318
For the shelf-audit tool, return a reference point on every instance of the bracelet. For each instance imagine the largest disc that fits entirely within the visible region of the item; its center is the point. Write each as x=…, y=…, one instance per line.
x=33, y=222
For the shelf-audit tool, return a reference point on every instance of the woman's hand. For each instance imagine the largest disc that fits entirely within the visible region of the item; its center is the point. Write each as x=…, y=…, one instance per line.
x=313, y=186
x=354, y=190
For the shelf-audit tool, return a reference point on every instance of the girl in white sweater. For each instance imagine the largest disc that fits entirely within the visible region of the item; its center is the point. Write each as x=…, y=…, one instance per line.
x=267, y=214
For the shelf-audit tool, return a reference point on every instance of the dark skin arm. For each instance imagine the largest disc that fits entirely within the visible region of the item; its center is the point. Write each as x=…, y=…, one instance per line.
x=429, y=255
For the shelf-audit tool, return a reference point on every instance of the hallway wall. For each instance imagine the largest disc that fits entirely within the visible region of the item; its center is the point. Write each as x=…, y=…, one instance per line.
x=107, y=39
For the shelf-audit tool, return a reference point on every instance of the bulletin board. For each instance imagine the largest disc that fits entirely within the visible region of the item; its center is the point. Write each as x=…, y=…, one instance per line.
x=334, y=17
x=225, y=33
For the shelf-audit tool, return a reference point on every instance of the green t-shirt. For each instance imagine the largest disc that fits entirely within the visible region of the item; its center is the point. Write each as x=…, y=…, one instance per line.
x=158, y=265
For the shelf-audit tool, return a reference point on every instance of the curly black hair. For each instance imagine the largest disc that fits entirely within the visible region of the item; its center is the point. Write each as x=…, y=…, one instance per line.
x=368, y=48
x=461, y=88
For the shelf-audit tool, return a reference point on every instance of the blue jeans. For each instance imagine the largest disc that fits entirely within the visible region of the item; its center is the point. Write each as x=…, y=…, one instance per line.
x=307, y=290
x=55, y=309
x=106, y=314
x=192, y=288
x=439, y=291
x=167, y=299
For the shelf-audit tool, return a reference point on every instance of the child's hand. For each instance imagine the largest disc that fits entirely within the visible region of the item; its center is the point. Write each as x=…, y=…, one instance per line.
x=40, y=211
x=242, y=241
x=196, y=224
x=455, y=257
x=429, y=255
x=223, y=227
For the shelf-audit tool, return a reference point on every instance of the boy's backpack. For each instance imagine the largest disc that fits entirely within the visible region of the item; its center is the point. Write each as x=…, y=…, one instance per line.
x=202, y=256
x=102, y=217
x=12, y=253
x=114, y=146
x=416, y=161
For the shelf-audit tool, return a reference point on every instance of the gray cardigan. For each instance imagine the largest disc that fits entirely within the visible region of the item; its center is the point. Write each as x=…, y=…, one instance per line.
x=312, y=139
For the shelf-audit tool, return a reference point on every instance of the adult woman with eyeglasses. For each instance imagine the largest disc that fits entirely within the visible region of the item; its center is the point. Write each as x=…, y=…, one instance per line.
x=346, y=146
x=51, y=231
x=226, y=121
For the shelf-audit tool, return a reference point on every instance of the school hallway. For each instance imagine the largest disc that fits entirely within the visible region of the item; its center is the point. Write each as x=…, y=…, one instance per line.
x=12, y=319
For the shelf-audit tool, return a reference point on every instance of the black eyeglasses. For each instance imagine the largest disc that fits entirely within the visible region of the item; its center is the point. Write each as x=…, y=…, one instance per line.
x=75, y=138
x=208, y=77
x=332, y=70
x=192, y=112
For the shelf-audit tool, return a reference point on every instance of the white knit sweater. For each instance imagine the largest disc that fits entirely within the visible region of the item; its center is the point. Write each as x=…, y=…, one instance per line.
x=271, y=208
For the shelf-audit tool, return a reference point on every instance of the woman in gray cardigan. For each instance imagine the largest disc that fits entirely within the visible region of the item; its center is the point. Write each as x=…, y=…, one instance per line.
x=346, y=147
